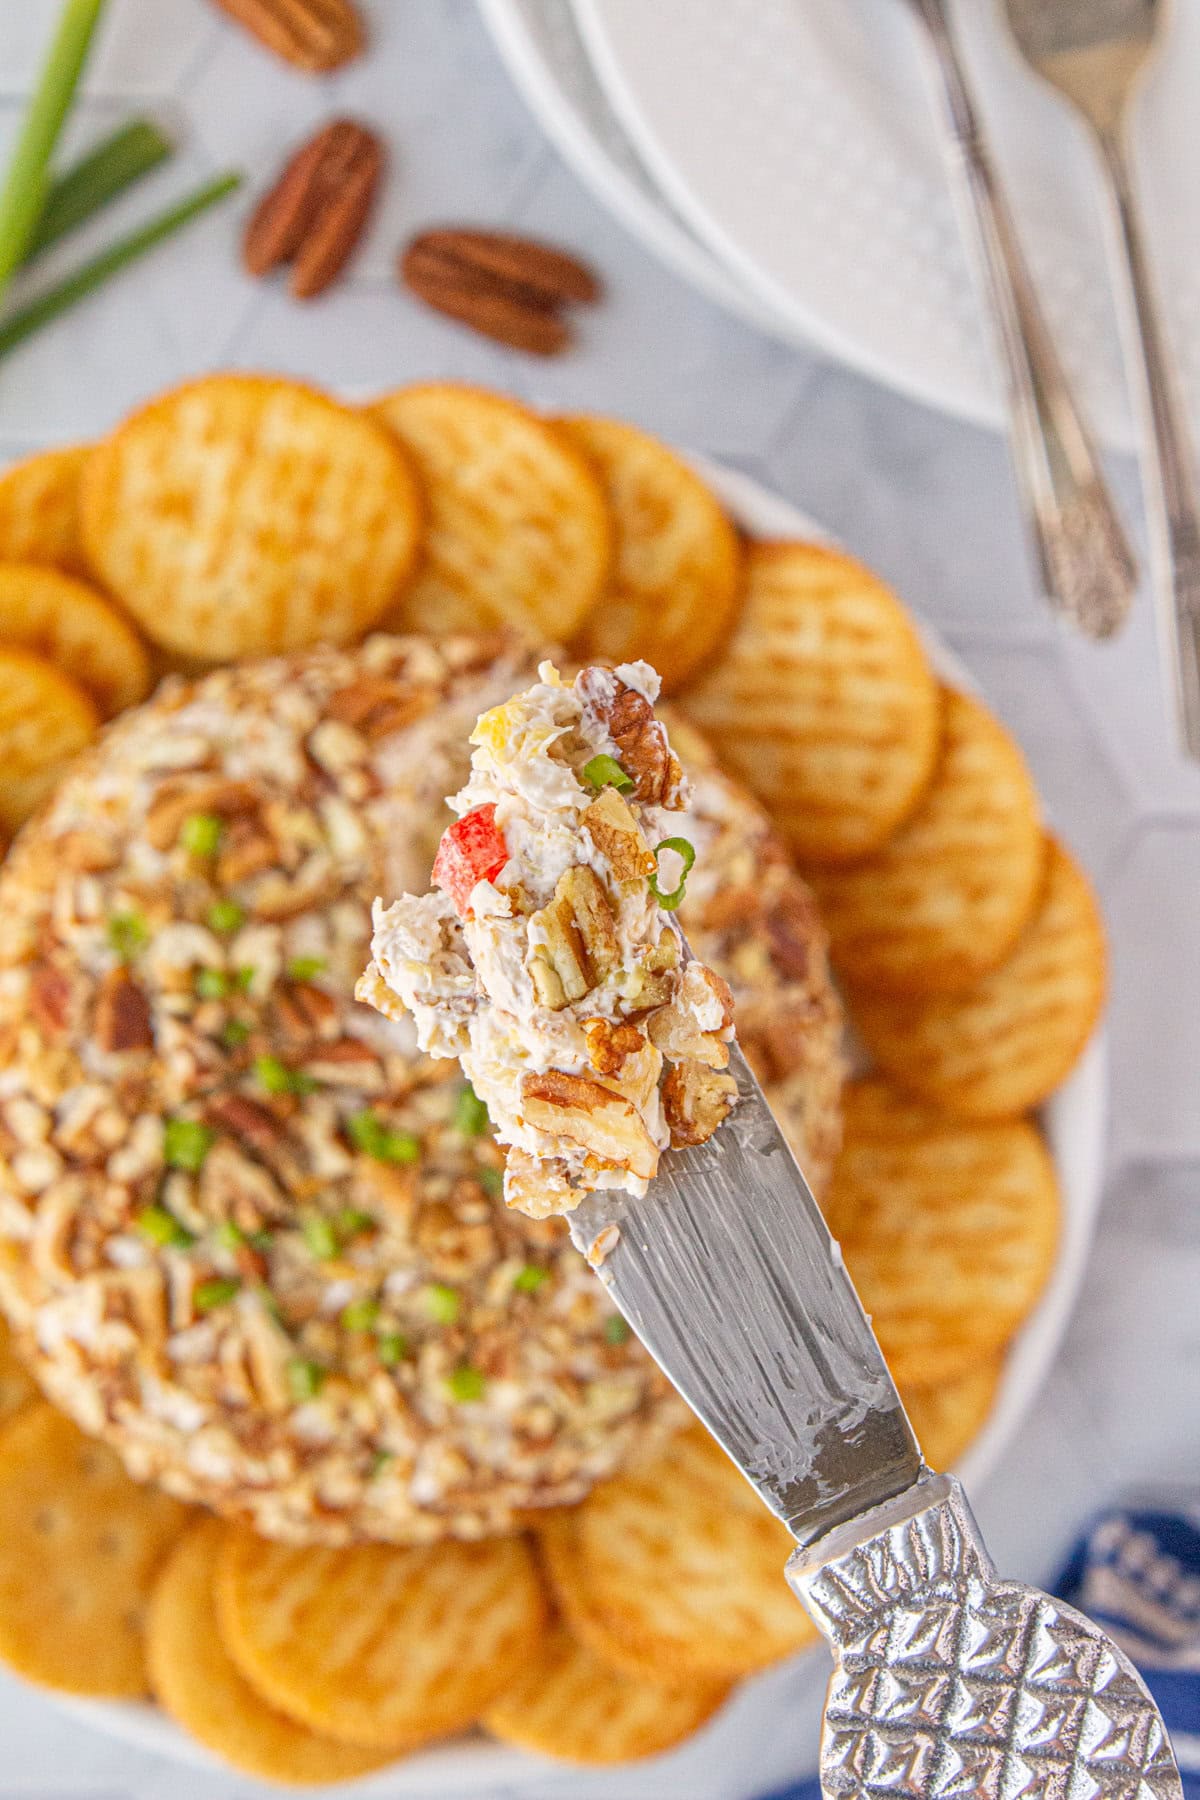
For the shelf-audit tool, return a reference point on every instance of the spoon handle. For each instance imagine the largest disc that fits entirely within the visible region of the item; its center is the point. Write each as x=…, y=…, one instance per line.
x=1170, y=474
x=1087, y=567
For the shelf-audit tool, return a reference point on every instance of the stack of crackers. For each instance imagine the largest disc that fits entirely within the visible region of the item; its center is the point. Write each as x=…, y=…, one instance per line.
x=244, y=515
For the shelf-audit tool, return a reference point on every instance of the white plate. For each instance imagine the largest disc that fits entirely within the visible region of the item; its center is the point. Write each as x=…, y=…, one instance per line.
x=1075, y=1130
x=548, y=61
x=796, y=138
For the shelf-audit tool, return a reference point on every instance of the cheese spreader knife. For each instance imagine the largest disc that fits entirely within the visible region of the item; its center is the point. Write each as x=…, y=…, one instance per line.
x=947, y=1680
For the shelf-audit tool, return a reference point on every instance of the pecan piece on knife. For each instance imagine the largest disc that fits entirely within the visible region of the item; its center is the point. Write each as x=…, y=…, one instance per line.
x=314, y=215
x=509, y=288
x=317, y=35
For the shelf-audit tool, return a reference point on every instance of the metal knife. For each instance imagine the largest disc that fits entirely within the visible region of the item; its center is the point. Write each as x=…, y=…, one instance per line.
x=947, y=1680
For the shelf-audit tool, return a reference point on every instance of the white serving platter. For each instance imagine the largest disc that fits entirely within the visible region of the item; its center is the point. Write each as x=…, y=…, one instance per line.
x=1074, y=1124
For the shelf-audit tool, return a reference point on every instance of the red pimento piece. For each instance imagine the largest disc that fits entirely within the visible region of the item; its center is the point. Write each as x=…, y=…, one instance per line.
x=471, y=850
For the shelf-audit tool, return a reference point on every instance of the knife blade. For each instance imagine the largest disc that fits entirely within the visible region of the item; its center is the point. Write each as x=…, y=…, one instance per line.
x=727, y=1272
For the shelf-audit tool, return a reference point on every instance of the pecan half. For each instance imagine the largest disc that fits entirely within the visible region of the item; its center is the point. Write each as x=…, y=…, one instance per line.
x=588, y=1114
x=122, y=1015
x=50, y=999
x=618, y=837
x=316, y=35
x=315, y=214
x=574, y=938
x=509, y=288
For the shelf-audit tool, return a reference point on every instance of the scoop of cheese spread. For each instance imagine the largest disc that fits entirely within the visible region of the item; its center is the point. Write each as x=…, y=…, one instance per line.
x=547, y=959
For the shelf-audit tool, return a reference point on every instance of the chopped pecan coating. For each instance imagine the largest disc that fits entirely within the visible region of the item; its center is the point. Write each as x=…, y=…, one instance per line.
x=122, y=1015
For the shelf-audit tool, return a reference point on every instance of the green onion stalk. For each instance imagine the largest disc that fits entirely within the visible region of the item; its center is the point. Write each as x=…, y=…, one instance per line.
x=27, y=180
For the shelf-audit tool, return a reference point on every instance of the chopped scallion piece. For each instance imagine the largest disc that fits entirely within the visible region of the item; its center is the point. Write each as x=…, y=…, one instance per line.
x=128, y=933
x=687, y=855
x=442, y=1303
x=305, y=1379
x=491, y=1181
x=466, y=1383
x=186, y=1143
x=351, y=1223
x=616, y=1330
x=211, y=984
x=234, y=1033
x=208, y=1295
x=368, y=1133
x=320, y=1237
x=277, y=1078
x=529, y=1279
x=163, y=1228
x=606, y=771
x=470, y=1114
x=360, y=1315
x=201, y=834
x=304, y=968
x=229, y=1236
x=225, y=916
x=392, y=1347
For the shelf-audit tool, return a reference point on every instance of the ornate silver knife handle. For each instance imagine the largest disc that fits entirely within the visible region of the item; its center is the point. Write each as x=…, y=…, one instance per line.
x=949, y=1681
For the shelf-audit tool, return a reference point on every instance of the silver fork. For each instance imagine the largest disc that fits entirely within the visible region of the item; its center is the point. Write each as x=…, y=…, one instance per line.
x=1096, y=52
x=1087, y=568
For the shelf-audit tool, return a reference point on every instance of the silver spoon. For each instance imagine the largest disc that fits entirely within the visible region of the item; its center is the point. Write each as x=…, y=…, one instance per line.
x=1096, y=52
x=1087, y=568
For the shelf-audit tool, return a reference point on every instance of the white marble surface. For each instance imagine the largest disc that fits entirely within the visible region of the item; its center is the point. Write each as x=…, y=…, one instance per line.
x=928, y=502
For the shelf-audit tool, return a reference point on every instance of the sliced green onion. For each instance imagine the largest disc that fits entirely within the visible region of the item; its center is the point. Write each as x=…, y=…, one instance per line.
x=201, y=834
x=208, y=1295
x=442, y=1303
x=234, y=1033
x=351, y=1223
x=360, y=1315
x=128, y=933
x=243, y=979
x=466, y=1383
x=380, y=1461
x=94, y=274
x=26, y=182
x=687, y=853
x=163, y=1228
x=186, y=1143
x=261, y=1240
x=606, y=771
x=225, y=917
x=320, y=1238
x=616, y=1330
x=211, y=984
x=277, y=1078
x=392, y=1347
x=229, y=1236
x=368, y=1133
x=305, y=1379
x=303, y=968
x=100, y=176
x=529, y=1279
x=470, y=1114
x=491, y=1181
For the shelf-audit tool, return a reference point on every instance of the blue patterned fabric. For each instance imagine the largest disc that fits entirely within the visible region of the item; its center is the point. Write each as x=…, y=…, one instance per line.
x=1136, y=1571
